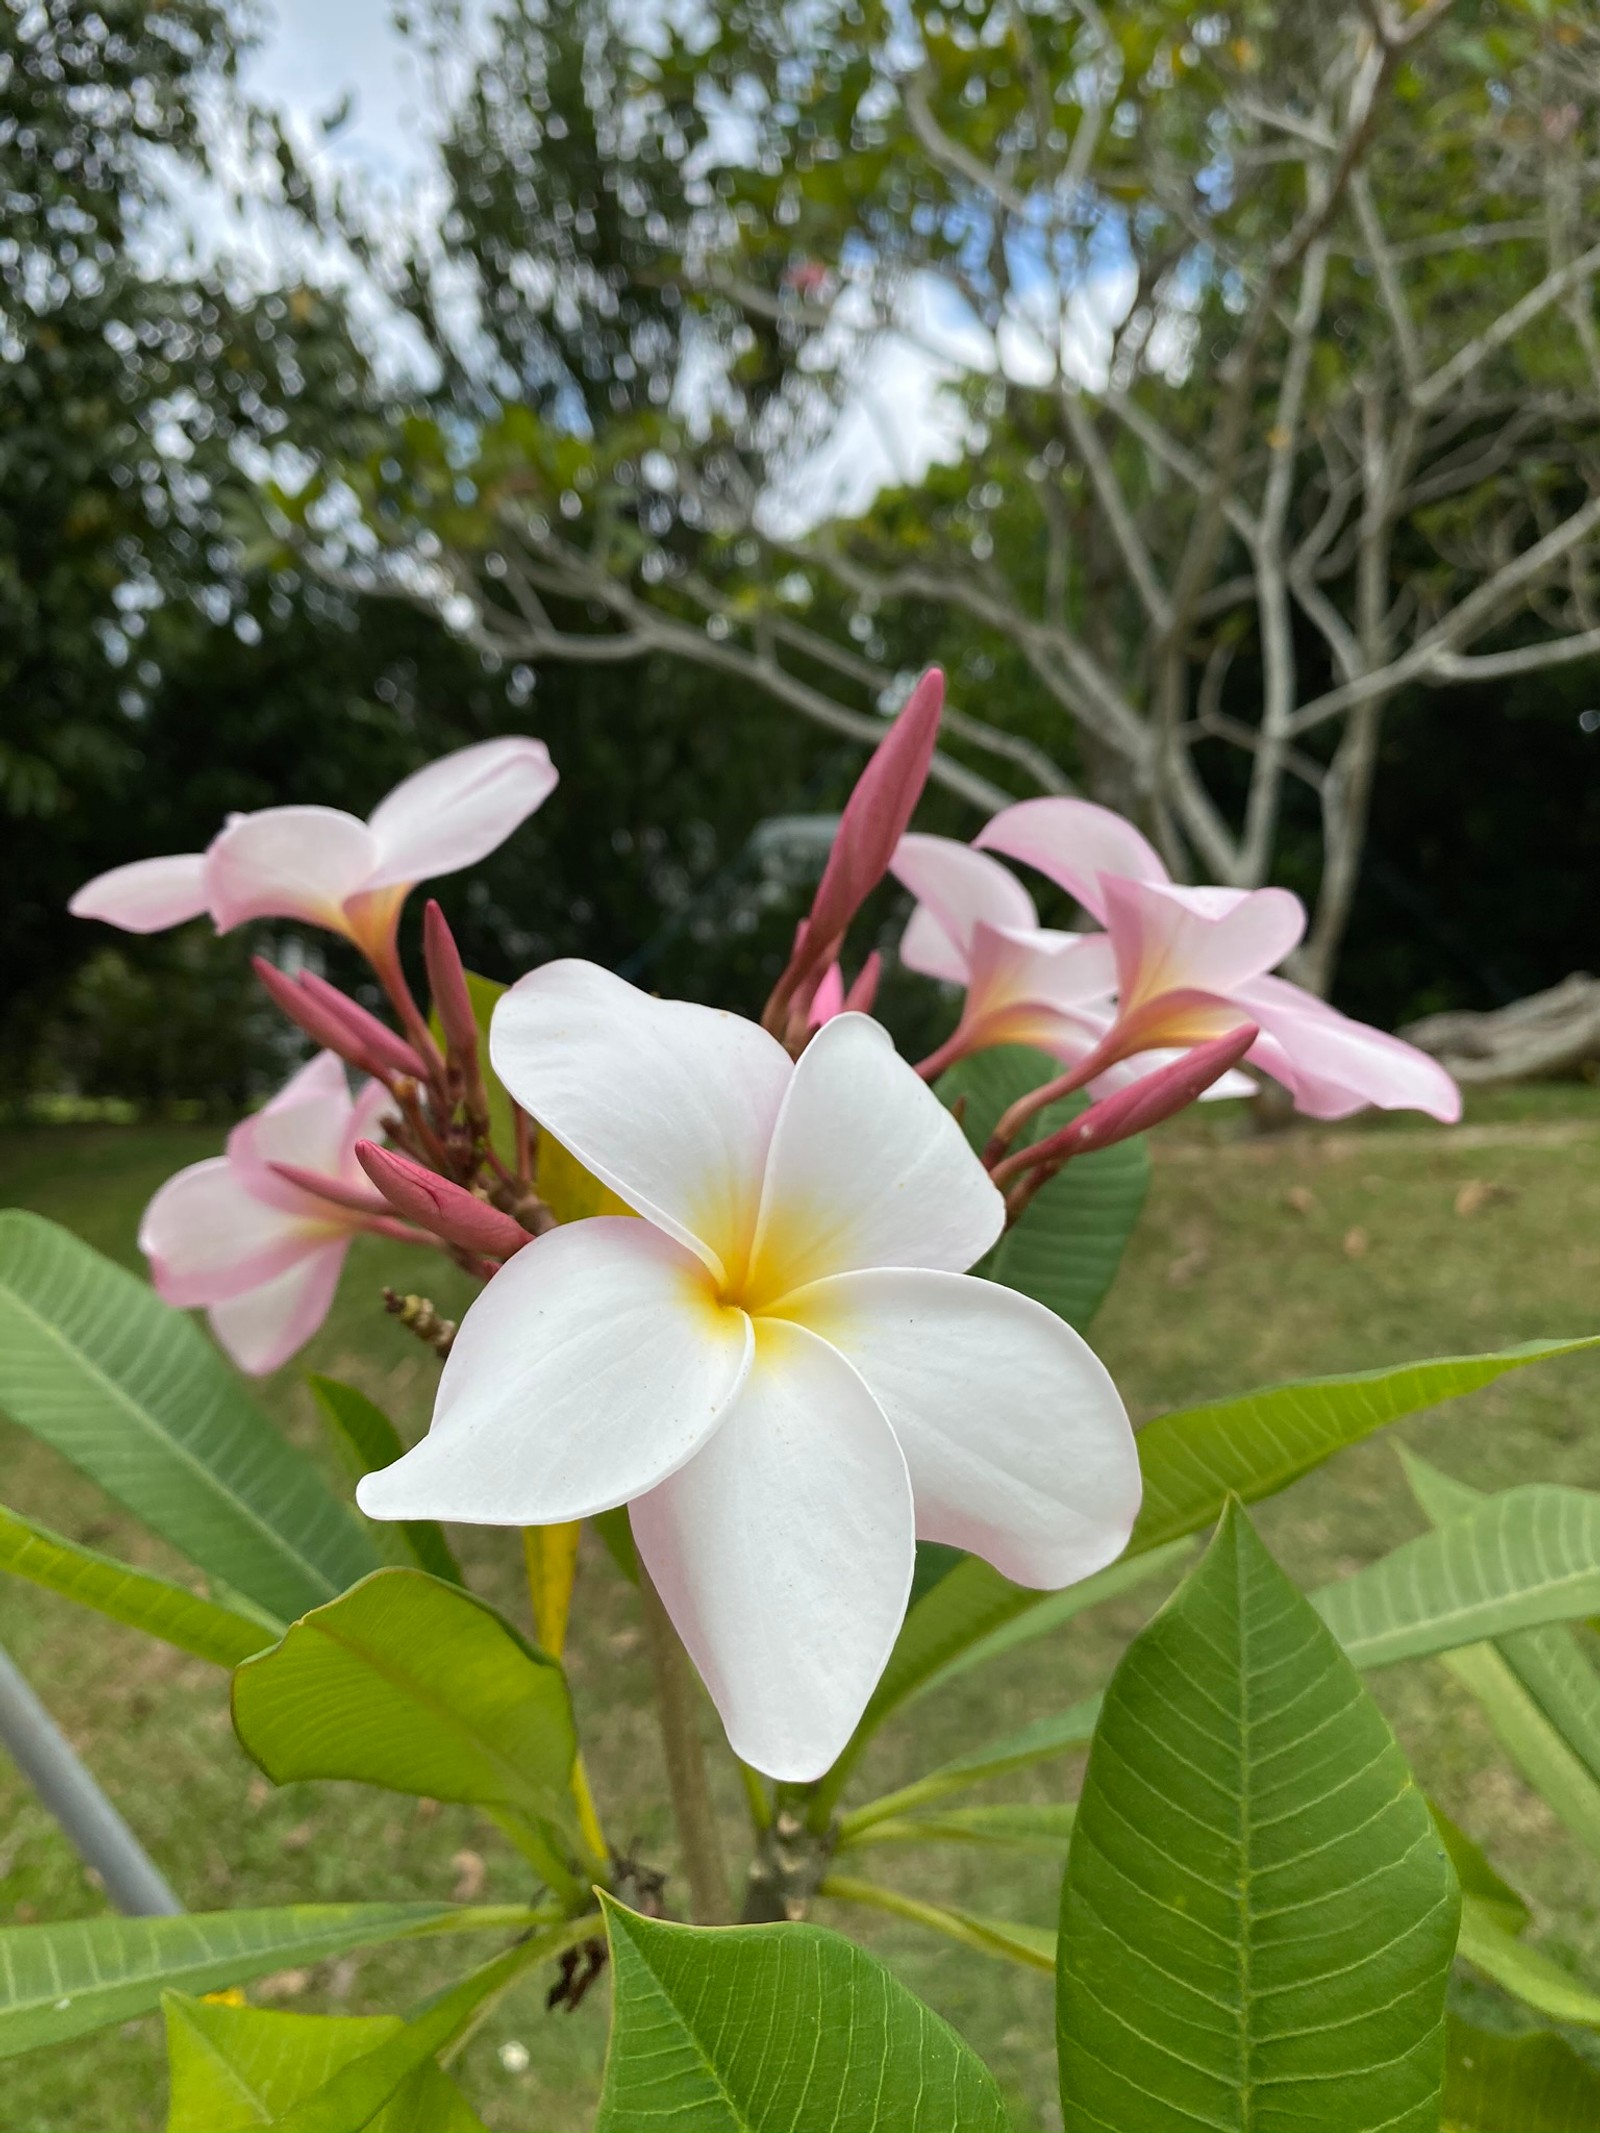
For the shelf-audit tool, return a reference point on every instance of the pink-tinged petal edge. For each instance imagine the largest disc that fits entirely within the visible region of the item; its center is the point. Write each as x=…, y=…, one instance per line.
x=458, y=810
x=261, y=1329
x=289, y=862
x=147, y=896
x=1073, y=843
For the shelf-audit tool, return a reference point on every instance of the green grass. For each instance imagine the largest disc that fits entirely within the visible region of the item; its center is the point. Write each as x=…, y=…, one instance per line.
x=1256, y=1260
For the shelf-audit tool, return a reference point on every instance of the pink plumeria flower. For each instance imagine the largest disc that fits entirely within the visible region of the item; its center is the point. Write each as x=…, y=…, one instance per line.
x=975, y=925
x=782, y=1368
x=332, y=869
x=1192, y=963
x=258, y=1252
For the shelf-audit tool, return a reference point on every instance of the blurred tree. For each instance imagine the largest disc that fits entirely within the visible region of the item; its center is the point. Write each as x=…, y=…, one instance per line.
x=1270, y=416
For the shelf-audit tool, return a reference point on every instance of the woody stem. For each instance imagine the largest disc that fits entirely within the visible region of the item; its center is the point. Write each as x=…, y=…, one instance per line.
x=692, y=1809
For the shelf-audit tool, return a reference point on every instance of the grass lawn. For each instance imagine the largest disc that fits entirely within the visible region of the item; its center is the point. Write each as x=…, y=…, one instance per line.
x=1257, y=1260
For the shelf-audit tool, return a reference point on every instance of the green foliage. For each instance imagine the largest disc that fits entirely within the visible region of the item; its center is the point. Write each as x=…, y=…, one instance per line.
x=1523, y=1558
x=1494, y=2083
x=231, y=2069
x=414, y=1684
x=94, y=1364
x=369, y=1441
x=777, y=2029
x=153, y=1604
x=1066, y=1249
x=1255, y=1445
x=62, y=1981
x=1489, y=1943
x=1258, y=1915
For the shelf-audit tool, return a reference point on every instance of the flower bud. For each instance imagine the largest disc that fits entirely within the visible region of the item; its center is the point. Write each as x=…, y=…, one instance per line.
x=452, y=1002
x=336, y=1023
x=448, y=1210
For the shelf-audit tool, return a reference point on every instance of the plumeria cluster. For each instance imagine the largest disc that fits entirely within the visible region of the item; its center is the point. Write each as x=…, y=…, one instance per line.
x=777, y=1357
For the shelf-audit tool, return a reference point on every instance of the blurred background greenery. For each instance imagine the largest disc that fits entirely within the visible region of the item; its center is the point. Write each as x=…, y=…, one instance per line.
x=270, y=435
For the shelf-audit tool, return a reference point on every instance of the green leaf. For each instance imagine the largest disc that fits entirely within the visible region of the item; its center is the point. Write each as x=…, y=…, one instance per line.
x=1477, y=1876
x=1492, y=1947
x=62, y=1981
x=369, y=1441
x=155, y=1605
x=1196, y=1457
x=1523, y=1558
x=1033, y=1947
x=753, y=2029
x=968, y=1617
x=1044, y=1827
x=354, y=2092
x=95, y=1365
x=231, y=2069
x=1066, y=1249
x=416, y=1685
x=1533, y=2084
x=1258, y=1916
x=1538, y=1688
x=1036, y=1743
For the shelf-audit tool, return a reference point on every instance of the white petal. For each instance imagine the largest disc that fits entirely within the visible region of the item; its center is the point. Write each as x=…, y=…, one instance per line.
x=867, y=1168
x=670, y=1105
x=1018, y=1443
x=955, y=888
x=456, y=811
x=595, y=1363
x=147, y=896
x=1074, y=843
x=208, y=1238
x=262, y=1328
x=783, y=1552
x=289, y=862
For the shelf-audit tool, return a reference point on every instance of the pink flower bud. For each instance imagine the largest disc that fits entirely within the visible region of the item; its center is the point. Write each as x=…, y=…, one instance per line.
x=452, y=1002
x=864, y=986
x=379, y=1039
x=874, y=820
x=448, y=1210
x=1142, y=1104
x=337, y=1023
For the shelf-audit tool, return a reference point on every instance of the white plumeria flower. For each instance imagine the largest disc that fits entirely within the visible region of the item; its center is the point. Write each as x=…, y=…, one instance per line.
x=329, y=868
x=782, y=1368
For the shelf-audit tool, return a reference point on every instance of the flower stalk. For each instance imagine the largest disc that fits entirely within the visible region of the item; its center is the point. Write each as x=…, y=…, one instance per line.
x=699, y=1839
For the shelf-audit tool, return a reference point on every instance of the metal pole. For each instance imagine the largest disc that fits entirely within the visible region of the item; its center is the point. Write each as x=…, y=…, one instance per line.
x=92, y=1825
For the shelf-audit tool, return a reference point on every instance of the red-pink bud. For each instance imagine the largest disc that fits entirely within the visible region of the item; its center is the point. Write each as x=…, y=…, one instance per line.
x=1142, y=1104
x=864, y=986
x=447, y=982
x=874, y=820
x=379, y=1039
x=450, y=1211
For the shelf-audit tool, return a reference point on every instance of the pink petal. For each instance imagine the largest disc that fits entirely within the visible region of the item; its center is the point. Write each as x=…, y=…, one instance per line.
x=147, y=896
x=289, y=862
x=307, y=1124
x=867, y=1168
x=1170, y=940
x=593, y=1365
x=208, y=1238
x=783, y=1552
x=956, y=889
x=1018, y=1443
x=1074, y=843
x=458, y=810
x=828, y=1000
x=263, y=1328
x=670, y=1105
x=1333, y=1065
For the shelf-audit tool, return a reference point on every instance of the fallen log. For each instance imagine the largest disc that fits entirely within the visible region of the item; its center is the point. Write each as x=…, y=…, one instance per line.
x=1549, y=1036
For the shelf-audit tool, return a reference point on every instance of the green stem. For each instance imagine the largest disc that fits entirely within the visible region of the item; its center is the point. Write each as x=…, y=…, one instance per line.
x=698, y=1837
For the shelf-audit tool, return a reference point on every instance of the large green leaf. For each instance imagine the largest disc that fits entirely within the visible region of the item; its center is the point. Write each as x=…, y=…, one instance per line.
x=777, y=2029
x=368, y=1441
x=1538, y=1688
x=413, y=1684
x=1523, y=1558
x=155, y=1605
x=232, y=2069
x=1529, y=2084
x=1066, y=1249
x=61, y=1981
x=94, y=1364
x=1492, y=1946
x=1250, y=1447
x=1258, y=1915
